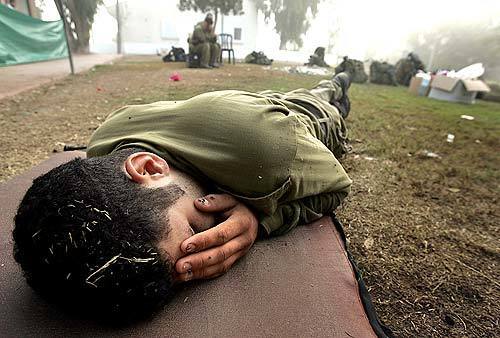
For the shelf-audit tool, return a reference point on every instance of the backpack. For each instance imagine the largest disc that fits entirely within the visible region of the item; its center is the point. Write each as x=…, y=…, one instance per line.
x=176, y=54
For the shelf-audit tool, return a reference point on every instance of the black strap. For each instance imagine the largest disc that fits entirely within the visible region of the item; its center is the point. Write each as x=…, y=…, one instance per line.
x=72, y=147
x=320, y=118
x=380, y=329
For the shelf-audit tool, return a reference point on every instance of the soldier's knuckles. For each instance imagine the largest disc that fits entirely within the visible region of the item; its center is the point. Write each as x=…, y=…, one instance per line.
x=231, y=200
x=199, y=262
x=221, y=255
x=222, y=236
x=247, y=244
x=242, y=218
x=248, y=240
x=205, y=242
x=201, y=274
x=251, y=221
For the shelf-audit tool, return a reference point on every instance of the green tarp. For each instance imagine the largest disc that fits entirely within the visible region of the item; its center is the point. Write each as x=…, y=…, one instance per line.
x=26, y=39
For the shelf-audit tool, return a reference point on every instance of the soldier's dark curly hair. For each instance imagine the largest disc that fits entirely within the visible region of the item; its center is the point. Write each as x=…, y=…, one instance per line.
x=86, y=237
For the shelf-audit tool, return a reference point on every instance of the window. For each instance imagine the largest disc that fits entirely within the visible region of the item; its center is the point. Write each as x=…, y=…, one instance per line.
x=237, y=33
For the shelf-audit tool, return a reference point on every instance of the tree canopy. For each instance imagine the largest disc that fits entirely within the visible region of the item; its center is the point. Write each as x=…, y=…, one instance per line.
x=224, y=7
x=290, y=18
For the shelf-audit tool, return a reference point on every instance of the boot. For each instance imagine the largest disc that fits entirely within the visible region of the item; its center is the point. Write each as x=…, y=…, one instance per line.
x=343, y=104
x=343, y=80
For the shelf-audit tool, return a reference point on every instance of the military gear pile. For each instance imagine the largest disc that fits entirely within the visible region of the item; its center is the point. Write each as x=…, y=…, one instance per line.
x=258, y=58
x=318, y=58
x=175, y=55
x=407, y=67
x=383, y=73
x=355, y=67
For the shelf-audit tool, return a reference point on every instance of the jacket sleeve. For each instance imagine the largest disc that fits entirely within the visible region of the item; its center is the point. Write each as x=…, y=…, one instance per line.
x=319, y=185
x=303, y=211
x=212, y=37
x=198, y=35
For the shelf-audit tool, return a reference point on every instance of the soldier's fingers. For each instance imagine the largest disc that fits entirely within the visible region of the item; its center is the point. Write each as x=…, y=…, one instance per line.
x=215, y=203
x=215, y=236
x=211, y=271
x=213, y=256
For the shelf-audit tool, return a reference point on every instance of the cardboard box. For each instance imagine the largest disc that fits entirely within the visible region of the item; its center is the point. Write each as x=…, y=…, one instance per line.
x=456, y=90
x=419, y=86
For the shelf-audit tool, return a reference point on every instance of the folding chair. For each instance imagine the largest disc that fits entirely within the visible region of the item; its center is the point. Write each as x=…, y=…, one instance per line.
x=226, y=44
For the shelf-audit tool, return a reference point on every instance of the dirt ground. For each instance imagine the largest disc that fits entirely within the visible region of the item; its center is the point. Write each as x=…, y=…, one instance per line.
x=424, y=230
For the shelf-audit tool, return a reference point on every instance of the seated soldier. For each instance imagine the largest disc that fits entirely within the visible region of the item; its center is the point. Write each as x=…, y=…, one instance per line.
x=116, y=231
x=203, y=42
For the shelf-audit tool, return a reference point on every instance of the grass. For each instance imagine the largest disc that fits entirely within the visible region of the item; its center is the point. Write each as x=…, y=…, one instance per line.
x=404, y=125
x=424, y=230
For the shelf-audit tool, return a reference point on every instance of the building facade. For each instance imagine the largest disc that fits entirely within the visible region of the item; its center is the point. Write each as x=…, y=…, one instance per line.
x=149, y=26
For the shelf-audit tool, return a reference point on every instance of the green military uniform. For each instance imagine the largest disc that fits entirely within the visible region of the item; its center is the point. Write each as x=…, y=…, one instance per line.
x=204, y=44
x=264, y=148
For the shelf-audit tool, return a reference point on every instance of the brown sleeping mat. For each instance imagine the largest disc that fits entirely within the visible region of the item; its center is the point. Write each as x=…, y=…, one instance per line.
x=300, y=284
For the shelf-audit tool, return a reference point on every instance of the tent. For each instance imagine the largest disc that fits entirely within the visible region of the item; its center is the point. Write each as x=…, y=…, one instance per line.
x=25, y=39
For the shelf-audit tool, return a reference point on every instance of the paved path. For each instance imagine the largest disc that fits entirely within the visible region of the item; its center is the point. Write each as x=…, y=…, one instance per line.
x=16, y=79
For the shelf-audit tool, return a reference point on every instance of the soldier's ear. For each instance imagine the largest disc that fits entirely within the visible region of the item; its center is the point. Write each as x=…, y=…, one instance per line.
x=145, y=167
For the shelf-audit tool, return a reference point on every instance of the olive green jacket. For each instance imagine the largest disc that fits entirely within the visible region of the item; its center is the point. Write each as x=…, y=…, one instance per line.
x=200, y=36
x=256, y=147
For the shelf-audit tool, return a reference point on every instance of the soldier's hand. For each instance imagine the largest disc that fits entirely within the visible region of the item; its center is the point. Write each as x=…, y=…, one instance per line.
x=212, y=252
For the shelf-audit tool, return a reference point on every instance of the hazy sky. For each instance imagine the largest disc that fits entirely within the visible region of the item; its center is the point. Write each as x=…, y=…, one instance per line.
x=370, y=28
x=384, y=25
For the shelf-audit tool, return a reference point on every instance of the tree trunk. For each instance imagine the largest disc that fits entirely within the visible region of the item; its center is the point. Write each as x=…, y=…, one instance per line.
x=282, y=42
x=81, y=29
x=119, y=29
x=83, y=32
x=216, y=12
